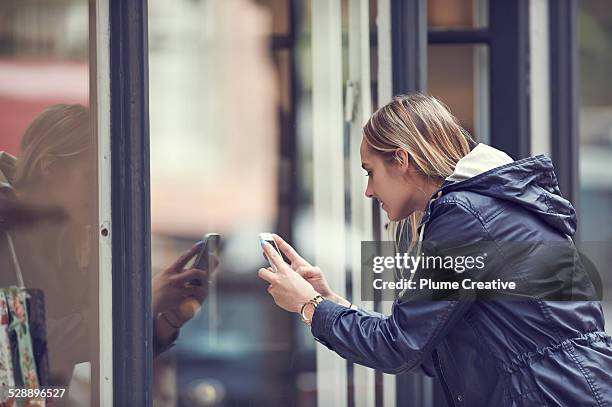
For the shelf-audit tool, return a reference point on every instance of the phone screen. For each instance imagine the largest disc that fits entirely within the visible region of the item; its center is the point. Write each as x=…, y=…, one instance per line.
x=208, y=258
x=267, y=237
x=273, y=243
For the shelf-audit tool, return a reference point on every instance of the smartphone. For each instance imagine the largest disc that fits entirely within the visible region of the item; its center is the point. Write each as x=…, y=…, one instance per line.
x=268, y=238
x=208, y=257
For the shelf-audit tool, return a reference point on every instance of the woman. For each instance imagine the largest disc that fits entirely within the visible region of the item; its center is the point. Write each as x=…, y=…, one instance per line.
x=422, y=166
x=57, y=254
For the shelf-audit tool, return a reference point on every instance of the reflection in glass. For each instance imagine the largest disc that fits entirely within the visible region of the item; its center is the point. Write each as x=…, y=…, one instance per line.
x=49, y=178
x=458, y=75
x=456, y=14
x=218, y=100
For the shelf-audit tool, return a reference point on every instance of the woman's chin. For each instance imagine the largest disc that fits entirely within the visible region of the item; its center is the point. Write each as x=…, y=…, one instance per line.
x=392, y=217
x=399, y=215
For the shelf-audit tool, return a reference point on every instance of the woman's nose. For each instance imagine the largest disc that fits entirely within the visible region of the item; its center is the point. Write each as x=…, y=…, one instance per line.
x=369, y=192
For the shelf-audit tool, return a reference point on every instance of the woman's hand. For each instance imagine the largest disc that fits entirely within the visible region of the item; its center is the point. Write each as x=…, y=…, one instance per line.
x=177, y=285
x=310, y=273
x=289, y=290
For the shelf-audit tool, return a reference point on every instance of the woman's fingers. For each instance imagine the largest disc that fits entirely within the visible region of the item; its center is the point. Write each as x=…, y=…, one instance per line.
x=182, y=261
x=304, y=271
x=309, y=271
x=193, y=276
x=267, y=274
x=197, y=292
x=275, y=259
x=289, y=251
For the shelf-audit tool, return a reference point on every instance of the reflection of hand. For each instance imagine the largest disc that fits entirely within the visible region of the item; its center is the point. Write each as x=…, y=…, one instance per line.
x=310, y=273
x=177, y=285
x=289, y=290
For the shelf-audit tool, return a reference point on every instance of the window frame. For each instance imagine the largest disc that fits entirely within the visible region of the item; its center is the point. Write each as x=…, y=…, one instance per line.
x=130, y=204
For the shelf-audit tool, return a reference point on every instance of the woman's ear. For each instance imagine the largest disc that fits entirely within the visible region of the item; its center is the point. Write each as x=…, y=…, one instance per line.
x=47, y=168
x=402, y=159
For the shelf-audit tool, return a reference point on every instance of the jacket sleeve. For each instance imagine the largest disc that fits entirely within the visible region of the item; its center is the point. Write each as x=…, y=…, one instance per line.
x=394, y=344
x=426, y=366
x=160, y=345
x=404, y=340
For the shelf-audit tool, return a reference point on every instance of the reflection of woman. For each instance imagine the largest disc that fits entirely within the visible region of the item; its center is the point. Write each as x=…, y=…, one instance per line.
x=56, y=169
x=485, y=353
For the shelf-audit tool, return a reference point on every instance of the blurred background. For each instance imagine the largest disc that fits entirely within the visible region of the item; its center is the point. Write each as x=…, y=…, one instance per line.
x=234, y=150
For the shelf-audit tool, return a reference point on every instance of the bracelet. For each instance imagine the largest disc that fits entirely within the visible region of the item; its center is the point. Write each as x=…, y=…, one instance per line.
x=314, y=302
x=163, y=314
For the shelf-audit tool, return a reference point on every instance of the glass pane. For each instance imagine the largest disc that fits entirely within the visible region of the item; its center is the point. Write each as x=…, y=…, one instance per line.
x=220, y=106
x=48, y=194
x=279, y=11
x=595, y=153
x=282, y=62
x=232, y=152
x=456, y=14
x=458, y=75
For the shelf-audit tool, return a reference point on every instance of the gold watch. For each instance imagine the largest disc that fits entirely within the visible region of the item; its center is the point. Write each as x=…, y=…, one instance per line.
x=314, y=302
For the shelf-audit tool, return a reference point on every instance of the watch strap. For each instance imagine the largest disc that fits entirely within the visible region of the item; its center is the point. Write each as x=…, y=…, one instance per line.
x=314, y=302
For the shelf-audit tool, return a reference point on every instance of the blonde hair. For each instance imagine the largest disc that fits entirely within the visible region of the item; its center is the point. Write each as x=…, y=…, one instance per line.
x=426, y=130
x=60, y=131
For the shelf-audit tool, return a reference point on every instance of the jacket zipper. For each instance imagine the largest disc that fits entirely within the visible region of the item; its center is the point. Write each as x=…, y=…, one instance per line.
x=438, y=366
x=447, y=392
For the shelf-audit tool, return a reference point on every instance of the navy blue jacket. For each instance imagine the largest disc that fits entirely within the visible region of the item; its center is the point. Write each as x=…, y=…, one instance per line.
x=490, y=353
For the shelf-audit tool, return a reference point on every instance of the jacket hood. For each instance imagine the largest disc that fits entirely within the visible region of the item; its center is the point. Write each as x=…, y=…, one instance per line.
x=530, y=183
